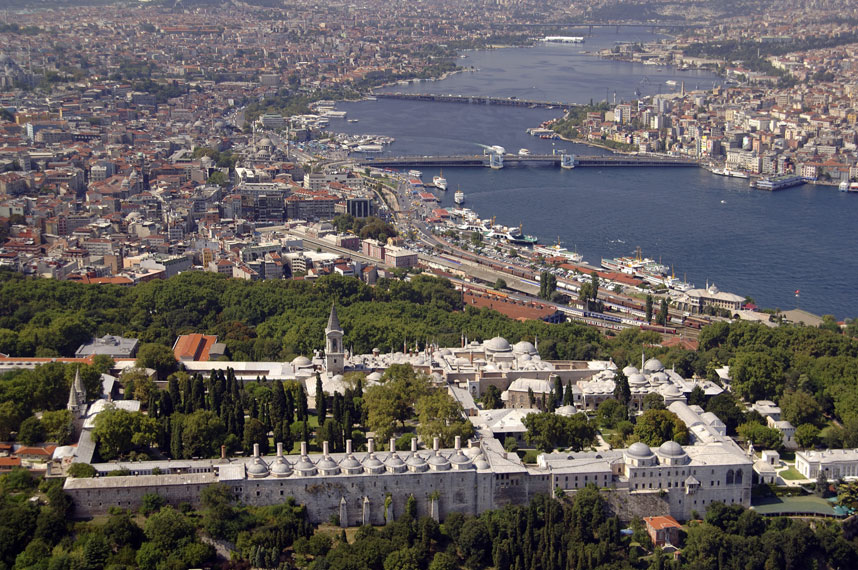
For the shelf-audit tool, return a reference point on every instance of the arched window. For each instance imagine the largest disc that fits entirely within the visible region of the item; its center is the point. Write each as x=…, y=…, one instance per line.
x=739, y=477
x=730, y=477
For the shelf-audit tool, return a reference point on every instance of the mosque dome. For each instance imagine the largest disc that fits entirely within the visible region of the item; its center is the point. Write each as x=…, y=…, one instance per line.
x=639, y=450
x=523, y=347
x=257, y=468
x=653, y=365
x=671, y=449
x=497, y=344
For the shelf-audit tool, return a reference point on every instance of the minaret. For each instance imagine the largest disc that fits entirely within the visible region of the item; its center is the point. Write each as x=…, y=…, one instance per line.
x=334, y=357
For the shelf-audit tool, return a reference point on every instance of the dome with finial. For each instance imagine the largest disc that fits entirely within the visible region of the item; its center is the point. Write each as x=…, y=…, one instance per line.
x=257, y=468
x=281, y=467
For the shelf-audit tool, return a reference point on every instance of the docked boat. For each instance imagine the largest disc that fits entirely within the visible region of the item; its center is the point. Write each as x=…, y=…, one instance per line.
x=844, y=186
x=458, y=197
x=735, y=173
x=637, y=265
x=523, y=152
x=557, y=250
x=777, y=183
x=415, y=174
x=440, y=182
x=517, y=237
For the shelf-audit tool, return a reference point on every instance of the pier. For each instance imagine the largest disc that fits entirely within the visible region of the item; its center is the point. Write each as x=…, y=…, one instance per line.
x=477, y=100
x=497, y=161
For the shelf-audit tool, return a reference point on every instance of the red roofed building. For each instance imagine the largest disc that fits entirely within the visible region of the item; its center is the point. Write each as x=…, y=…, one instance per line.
x=196, y=348
x=663, y=530
x=9, y=463
x=519, y=310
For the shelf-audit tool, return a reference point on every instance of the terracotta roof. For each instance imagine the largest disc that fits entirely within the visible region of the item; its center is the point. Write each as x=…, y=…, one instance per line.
x=7, y=462
x=661, y=522
x=45, y=451
x=193, y=347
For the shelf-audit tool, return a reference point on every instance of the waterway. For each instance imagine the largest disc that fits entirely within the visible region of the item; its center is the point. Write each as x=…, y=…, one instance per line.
x=709, y=228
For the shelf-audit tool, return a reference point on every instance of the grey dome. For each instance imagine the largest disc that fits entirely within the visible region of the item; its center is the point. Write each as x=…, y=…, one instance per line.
x=461, y=461
x=372, y=465
x=301, y=361
x=497, y=344
x=629, y=370
x=281, y=467
x=481, y=463
x=257, y=468
x=671, y=449
x=438, y=462
x=637, y=379
x=639, y=449
x=351, y=465
x=328, y=466
x=524, y=347
x=395, y=464
x=653, y=365
x=416, y=463
x=305, y=467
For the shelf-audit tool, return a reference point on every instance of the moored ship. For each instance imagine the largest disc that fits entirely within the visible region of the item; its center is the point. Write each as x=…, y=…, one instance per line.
x=439, y=181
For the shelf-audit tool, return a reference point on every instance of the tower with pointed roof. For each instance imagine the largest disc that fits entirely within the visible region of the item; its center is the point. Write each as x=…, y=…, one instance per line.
x=77, y=397
x=334, y=352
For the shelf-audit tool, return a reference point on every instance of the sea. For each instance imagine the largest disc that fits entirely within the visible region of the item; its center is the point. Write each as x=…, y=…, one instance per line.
x=788, y=249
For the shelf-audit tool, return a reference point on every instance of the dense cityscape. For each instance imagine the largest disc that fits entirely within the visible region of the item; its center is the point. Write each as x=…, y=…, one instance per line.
x=234, y=334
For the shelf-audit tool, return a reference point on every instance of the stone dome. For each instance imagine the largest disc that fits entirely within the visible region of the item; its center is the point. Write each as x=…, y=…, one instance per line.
x=351, y=466
x=460, y=461
x=257, y=468
x=639, y=450
x=524, y=347
x=395, y=464
x=416, y=463
x=305, y=467
x=328, y=466
x=671, y=449
x=301, y=361
x=660, y=378
x=281, y=467
x=671, y=391
x=265, y=142
x=374, y=377
x=653, y=365
x=481, y=463
x=497, y=344
x=637, y=379
x=372, y=464
x=473, y=452
x=438, y=462
x=629, y=371
x=567, y=411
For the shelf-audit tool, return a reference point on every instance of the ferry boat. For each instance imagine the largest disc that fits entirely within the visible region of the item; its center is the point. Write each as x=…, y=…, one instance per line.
x=642, y=266
x=458, y=197
x=415, y=174
x=523, y=152
x=440, y=182
x=516, y=237
x=776, y=183
x=844, y=186
x=557, y=250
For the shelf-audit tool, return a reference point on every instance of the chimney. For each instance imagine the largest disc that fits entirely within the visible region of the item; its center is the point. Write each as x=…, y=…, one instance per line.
x=436, y=444
x=392, y=444
x=279, y=449
x=223, y=452
x=458, y=442
x=303, y=448
x=255, y=450
x=325, y=448
x=370, y=445
x=349, y=446
x=413, y=445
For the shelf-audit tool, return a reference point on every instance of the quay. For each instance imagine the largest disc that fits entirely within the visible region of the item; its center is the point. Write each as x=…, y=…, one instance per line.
x=477, y=100
x=496, y=161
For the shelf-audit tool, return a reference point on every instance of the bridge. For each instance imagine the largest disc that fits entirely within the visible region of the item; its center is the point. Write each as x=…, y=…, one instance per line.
x=477, y=100
x=497, y=161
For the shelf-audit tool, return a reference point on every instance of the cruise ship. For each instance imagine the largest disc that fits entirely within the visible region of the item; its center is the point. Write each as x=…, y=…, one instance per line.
x=439, y=181
x=458, y=197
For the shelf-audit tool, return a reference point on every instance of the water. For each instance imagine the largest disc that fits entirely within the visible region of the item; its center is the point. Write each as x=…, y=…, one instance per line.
x=709, y=228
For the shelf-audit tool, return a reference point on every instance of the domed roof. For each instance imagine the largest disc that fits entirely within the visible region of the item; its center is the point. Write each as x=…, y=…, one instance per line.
x=395, y=463
x=305, y=467
x=628, y=371
x=713, y=290
x=473, y=452
x=523, y=347
x=639, y=449
x=257, y=468
x=351, y=465
x=481, y=463
x=671, y=390
x=416, y=463
x=660, y=378
x=374, y=377
x=637, y=379
x=653, y=365
x=372, y=465
x=497, y=344
x=281, y=467
x=445, y=352
x=265, y=142
x=567, y=411
x=461, y=461
x=439, y=462
x=328, y=466
x=301, y=361
x=671, y=449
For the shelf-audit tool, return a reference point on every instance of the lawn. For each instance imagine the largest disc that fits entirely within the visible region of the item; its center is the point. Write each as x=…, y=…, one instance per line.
x=794, y=506
x=791, y=474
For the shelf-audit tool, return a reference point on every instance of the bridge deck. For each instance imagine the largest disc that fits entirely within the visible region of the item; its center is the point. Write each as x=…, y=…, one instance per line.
x=530, y=160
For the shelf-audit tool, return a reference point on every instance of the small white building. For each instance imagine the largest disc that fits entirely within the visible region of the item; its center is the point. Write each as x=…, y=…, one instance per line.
x=835, y=463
